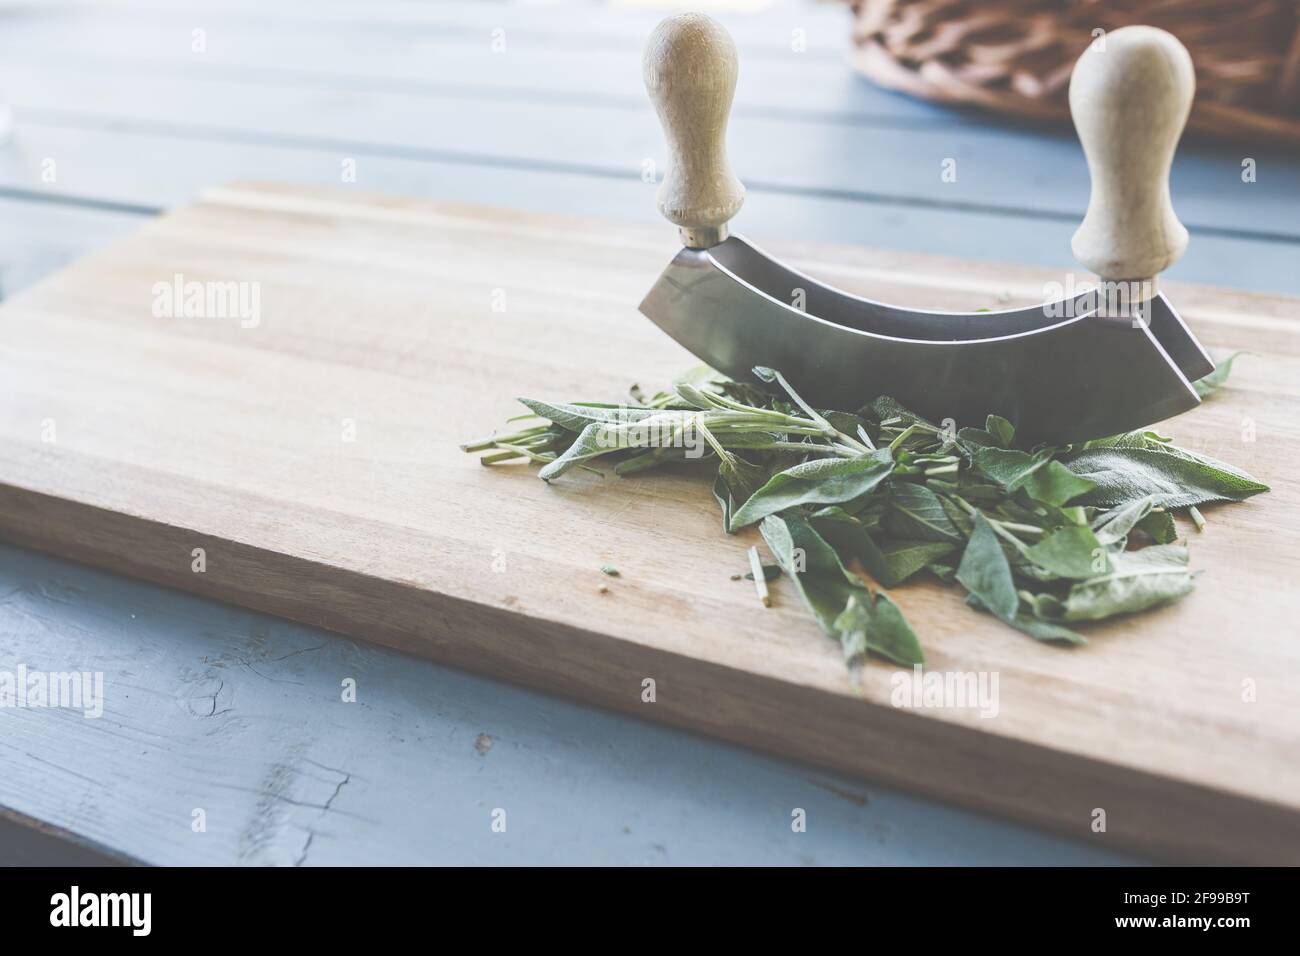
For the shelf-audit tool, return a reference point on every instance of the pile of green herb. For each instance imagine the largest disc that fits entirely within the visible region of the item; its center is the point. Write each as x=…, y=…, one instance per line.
x=1044, y=538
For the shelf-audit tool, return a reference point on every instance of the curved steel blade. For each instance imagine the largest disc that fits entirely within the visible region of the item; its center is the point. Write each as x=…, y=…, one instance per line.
x=1057, y=379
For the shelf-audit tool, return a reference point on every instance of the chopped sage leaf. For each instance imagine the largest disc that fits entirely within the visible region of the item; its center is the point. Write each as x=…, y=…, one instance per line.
x=852, y=502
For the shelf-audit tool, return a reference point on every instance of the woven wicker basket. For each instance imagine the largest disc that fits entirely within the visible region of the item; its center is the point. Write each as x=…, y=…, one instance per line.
x=1015, y=56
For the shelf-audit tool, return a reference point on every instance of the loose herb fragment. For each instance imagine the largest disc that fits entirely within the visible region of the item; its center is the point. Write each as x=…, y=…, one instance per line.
x=1216, y=379
x=1042, y=538
x=758, y=575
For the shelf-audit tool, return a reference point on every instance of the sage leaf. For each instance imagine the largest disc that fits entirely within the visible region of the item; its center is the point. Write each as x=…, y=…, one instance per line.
x=1050, y=631
x=1054, y=484
x=823, y=481
x=1001, y=429
x=1008, y=467
x=693, y=396
x=1139, y=580
x=799, y=549
x=914, y=511
x=885, y=409
x=703, y=377
x=960, y=519
x=742, y=477
x=971, y=440
x=1113, y=527
x=985, y=572
x=1124, y=475
x=845, y=422
x=828, y=590
x=659, y=429
x=905, y=558
x=1070, y=553
x=1037, y=628
x=851, y=541
x=1045, y=605
x=836, y=513
x=1138, y=439
x=589, y=444
x=647, y=460
x=944, y=572
x=577, y=417
x=722, y=494
x=1160, y=526
x=877, y=626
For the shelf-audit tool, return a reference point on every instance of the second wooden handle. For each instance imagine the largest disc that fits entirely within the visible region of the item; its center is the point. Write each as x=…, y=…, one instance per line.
x=690, y=73
x=1130, y=95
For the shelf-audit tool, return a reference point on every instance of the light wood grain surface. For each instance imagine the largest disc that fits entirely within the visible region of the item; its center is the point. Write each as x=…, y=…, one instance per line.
x=185, y=433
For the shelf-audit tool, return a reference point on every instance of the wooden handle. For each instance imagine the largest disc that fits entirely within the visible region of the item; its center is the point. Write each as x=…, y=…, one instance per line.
x=690, y=74
x=1130, y=96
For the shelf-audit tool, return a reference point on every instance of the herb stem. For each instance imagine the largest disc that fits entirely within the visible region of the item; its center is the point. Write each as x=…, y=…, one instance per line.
x=1021, y=528
x=543, y=458
x=713, y=442
x=903, y=436
x=807, y=448
x=941, y=470
x=498, y=457
x=483, y=444
x=1002, y=528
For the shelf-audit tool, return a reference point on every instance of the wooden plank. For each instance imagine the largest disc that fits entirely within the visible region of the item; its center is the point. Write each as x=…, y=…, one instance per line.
x=104, y=165
x=212, y=707
x=534, y=67
x=27, y=842
x=232, y=439
x=997, y=170
x=764, y=27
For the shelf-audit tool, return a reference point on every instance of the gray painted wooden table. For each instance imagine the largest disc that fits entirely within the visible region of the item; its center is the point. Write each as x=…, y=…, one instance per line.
x=123, y=112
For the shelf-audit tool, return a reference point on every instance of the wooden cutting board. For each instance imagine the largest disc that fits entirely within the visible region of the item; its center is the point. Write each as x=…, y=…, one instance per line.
x=313, y=458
